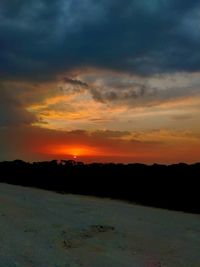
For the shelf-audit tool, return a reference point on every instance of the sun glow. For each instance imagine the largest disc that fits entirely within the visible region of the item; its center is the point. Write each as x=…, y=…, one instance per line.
x=74, y=151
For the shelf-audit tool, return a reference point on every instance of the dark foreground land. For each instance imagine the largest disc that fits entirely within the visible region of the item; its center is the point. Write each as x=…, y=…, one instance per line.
x=173, y=187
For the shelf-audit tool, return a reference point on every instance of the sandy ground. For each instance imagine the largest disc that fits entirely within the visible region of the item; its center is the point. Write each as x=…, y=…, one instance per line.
x=45, y=229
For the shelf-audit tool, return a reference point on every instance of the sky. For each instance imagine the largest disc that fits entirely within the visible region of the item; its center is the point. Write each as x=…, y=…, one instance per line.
x=104, y=81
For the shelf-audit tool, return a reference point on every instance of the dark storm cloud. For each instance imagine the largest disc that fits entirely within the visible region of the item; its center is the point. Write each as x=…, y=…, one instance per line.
x=12, y=111
x=40, y=38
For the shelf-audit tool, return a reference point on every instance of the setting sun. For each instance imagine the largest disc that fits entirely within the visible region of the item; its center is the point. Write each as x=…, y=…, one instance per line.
x=74, y=151
x=75, y=156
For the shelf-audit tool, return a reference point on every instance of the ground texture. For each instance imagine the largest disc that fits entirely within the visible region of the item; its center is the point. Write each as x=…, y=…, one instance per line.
x=45, y=229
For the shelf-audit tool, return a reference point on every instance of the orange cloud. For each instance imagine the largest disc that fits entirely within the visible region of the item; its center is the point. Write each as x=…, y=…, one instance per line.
x=143, y=132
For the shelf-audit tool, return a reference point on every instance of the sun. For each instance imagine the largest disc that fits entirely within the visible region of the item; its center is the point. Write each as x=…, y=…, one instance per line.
x=73, y=151
x=75, y=156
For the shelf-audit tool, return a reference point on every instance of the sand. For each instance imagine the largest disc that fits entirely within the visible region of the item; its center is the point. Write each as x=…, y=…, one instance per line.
x=46, y=229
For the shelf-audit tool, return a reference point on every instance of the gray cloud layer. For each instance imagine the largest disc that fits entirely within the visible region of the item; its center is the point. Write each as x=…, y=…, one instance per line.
x=40, y=38
x=134, y=91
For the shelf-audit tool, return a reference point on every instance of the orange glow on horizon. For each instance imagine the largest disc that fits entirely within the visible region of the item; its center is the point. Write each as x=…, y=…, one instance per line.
x=74, y=150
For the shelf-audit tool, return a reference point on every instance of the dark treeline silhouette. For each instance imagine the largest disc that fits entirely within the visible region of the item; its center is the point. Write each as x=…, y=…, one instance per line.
x=173, y=187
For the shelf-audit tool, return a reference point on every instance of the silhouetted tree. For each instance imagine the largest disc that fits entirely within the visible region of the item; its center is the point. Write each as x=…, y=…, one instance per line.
x=173, y=187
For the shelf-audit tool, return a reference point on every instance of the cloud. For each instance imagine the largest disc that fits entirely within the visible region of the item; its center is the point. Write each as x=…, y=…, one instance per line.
x=41, y=39
x=183, y=117
x=72, y=86
x=12, y=111
x=95, y=99
x=135, y=91
x=104, y=95
x=111, y=134
x=75, y=82
x=16, y=98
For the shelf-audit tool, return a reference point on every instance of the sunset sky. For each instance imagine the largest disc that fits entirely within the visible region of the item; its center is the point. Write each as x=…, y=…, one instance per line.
x=106, y=80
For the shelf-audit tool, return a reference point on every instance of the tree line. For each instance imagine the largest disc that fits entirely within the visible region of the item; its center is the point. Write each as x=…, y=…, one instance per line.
x=173, y=186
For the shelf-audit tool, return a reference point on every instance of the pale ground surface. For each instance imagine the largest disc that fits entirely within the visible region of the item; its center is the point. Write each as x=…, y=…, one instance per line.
x=45, y=229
